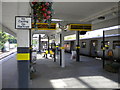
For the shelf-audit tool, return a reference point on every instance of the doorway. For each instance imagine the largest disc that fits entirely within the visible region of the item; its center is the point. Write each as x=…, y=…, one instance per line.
x=93, y=48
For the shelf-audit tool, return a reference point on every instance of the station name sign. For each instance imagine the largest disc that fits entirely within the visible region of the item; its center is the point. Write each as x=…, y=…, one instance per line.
x=43, y=26
x=80, y=27
x=23, y=22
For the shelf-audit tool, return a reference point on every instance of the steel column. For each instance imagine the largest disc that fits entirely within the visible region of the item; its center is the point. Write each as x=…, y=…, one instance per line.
x=48, y=45
x=77, y=47
x=60, y=50
x=39, y=43
x=54, y=52
x=103, y=49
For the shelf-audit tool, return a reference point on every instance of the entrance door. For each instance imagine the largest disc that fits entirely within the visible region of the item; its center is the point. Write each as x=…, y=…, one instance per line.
x=93, y=48
x=72, y=46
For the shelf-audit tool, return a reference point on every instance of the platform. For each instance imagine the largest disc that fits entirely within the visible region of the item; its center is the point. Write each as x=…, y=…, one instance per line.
x=88, y=73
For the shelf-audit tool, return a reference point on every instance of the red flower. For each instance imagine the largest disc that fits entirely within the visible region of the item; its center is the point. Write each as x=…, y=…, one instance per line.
x=33, y=2
x=49, y=12
x=47, y=17
x=44, y=9
x=44, y=14
x=47, y=4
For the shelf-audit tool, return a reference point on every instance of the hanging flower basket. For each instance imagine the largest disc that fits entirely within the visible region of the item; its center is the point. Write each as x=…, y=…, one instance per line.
x=42, y=11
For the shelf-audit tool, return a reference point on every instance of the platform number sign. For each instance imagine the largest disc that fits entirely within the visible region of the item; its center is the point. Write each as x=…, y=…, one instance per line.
x=23, y=22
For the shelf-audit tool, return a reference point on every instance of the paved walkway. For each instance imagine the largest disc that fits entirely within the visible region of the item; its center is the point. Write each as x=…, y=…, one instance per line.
x=9, y=72
x=85, y=74
x=3, y=55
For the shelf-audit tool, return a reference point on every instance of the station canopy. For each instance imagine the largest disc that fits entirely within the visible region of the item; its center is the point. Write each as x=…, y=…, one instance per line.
x=63, y=13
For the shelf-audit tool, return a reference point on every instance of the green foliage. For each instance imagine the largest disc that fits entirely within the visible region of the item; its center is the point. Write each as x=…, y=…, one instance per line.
x=42, y=12
x=3, y=39
x=12, y=39
x=34, y=42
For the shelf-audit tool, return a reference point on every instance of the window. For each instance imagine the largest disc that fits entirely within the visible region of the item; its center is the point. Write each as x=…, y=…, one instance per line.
x=94, y=44
x=67, y=45
x=107, y=44
x=83, y=44
x=116, y=44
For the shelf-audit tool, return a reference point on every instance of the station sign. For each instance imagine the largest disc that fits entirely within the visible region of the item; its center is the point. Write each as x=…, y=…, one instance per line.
x=80, y=27
x=43, y=26
x=23, y=22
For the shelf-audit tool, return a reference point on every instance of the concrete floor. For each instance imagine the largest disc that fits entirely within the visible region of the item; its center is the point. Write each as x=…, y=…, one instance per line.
x=9, y=72
x=85, y=74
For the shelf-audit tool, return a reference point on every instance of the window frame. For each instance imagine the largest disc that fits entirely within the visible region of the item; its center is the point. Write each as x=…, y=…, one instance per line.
x=83, y=46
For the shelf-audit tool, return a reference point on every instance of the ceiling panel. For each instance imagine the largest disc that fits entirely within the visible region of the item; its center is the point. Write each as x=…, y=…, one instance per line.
x=67, y=11
x=74, y=11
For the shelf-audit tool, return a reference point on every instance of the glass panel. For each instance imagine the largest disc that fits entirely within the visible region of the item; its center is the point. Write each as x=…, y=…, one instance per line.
x=83, y=44
x=116, y=44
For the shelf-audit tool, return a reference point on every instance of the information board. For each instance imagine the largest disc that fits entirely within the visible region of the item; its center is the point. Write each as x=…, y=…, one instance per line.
x=80, y=27
x=43, y=26
x=23, y=22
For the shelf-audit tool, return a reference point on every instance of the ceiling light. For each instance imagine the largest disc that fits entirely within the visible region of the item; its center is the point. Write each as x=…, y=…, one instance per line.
x=57, y=20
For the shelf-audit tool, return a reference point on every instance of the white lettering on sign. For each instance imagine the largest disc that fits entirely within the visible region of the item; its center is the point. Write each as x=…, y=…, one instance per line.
x=23, y=23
